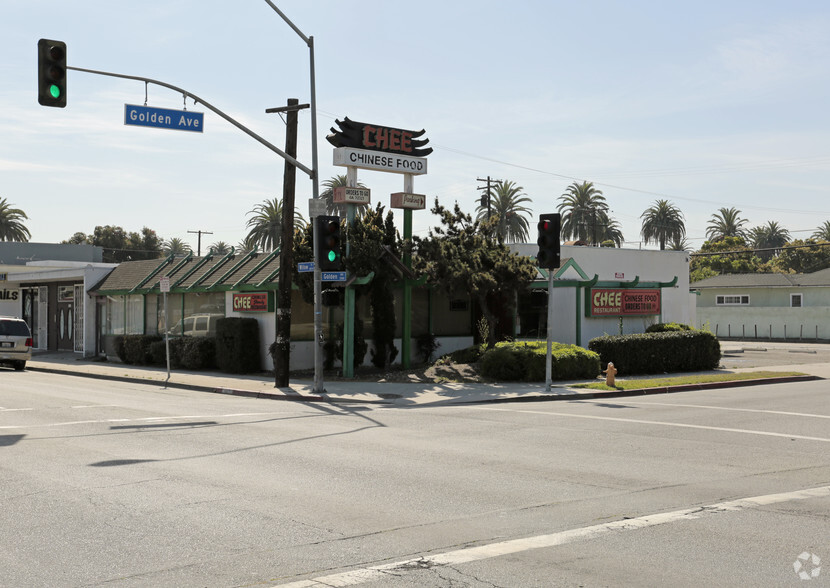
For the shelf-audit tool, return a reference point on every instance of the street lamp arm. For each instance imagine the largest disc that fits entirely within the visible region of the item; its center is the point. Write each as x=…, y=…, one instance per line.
x=305, y=39
x=210, y=107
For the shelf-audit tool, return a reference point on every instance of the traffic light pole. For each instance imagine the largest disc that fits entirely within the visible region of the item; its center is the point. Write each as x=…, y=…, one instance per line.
x=207, y=105
x=549, y=354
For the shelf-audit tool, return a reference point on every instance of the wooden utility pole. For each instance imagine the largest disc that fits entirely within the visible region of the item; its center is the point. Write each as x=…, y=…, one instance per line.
x=199, y=242
x=282, y=345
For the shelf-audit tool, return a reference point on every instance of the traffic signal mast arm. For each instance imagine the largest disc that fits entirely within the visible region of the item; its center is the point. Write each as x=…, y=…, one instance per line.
x=210, y=107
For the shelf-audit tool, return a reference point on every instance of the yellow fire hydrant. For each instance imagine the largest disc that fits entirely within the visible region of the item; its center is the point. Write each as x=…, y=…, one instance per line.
x=610, y=372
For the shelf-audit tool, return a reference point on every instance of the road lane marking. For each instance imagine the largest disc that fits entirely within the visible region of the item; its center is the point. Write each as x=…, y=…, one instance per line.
x=140, y=420
x=662, y=424
x=460, y=556
x=779, y=412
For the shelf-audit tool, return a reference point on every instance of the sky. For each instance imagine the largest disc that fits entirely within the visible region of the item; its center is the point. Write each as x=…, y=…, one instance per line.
x=706, y=104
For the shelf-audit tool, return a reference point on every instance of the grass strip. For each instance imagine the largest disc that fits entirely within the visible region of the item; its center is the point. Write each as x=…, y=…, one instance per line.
x=638, y=384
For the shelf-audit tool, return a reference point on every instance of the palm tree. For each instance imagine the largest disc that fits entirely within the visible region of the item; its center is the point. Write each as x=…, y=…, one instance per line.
x=11, y=223
x=662, y=223
x=220, y=248
x=679, y=244
x=175, y=246
x=768, y=236
x=507, y=205
x=585, y=215
x=265, y=226
x=823, y=232
x=328, y=195
x=727, y=222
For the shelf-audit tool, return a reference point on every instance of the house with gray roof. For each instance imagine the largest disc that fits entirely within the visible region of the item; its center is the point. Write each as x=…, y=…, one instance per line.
x=766, y=306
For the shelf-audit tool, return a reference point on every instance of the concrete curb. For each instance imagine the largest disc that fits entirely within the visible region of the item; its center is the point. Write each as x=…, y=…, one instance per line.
x=299, y=397
x=600, y=394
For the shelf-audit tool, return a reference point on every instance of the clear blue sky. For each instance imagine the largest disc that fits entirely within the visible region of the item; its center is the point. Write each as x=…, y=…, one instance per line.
x=708, y=104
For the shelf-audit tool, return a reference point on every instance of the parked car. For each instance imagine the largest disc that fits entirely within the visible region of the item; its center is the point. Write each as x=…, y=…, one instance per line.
x=15, y=342
x=196, y=325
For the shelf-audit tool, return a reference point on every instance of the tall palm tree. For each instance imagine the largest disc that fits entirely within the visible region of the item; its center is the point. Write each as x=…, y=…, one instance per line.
x=11, y=223
x=507, y=203
x=585, y=215
x=265, y=226
x=727, y=222
x=328, y=195
x=175, y=246
x=662, y=223
x=823, y=232
x=771, y=235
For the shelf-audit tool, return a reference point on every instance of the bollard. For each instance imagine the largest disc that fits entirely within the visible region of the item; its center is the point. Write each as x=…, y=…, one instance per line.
x=610, y=372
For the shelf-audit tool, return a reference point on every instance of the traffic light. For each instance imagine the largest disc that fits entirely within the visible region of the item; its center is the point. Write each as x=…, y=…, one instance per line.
x=51, y=73
x=328, y=241
x=548, y=241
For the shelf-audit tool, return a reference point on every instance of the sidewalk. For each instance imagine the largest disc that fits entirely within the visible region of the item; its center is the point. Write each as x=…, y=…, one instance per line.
x=382, y=393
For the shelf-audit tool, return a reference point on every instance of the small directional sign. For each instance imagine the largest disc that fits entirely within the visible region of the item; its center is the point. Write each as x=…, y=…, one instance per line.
x=163, y=118
x=333, y=276
x=305, y=266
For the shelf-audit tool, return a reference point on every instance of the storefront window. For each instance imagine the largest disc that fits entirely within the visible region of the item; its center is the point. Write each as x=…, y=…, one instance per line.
x=194, y=315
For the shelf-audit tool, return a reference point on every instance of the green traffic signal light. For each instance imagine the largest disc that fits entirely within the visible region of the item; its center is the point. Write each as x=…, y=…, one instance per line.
x=332, y=255
x=51, y=70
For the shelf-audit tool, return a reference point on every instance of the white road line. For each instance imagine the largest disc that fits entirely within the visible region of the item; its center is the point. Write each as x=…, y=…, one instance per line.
x=460, y=556
x=14, y=409
x=780, y=412
x=142, y=420
x=662, y=424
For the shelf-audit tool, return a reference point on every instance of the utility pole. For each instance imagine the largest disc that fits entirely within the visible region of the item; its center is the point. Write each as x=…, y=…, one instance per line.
x=199, y=242
x=487, y=194
x=282, y=344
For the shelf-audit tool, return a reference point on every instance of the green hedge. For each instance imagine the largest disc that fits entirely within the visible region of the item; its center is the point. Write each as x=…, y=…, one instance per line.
x=525, y=361
x=237, y=345
x=658, y=353
x=666, y=327
x=135, y=349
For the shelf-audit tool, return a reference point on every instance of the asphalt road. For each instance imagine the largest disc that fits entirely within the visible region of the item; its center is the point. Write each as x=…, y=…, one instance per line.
x=119, y=485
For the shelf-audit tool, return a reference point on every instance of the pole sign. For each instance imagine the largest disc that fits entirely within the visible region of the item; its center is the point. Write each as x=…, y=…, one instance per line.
x=410, y=201
x=365, y=159
x=346, y=195
x=378, y=138
x=622, y=302
x=163, y=118
x=305, y=266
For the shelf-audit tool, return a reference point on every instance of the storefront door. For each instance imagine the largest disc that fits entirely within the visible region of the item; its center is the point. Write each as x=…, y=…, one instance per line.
x=66, y=318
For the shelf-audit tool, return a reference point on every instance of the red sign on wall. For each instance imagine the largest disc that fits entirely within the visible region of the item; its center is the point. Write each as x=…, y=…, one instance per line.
x=251, y=302
x=622, y=302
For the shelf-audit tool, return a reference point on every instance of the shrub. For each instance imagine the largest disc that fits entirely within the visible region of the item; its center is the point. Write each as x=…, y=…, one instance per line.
x=657, y=353
x=136, y=349
x=237, y=345
x=198, y=353
x=467, y=355
x=526, y=361
x=667, y=327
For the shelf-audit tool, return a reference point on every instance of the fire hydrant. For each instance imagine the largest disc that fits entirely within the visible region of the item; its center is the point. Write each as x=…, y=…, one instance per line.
x=610, y=372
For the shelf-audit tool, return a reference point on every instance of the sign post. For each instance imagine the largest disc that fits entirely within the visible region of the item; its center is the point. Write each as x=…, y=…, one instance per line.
x=164, y=286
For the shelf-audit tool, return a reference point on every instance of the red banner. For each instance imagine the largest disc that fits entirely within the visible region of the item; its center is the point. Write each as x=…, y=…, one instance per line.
x=623, y=302
x=250, y=302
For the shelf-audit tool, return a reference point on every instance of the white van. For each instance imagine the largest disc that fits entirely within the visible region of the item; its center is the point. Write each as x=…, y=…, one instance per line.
x=15, y=342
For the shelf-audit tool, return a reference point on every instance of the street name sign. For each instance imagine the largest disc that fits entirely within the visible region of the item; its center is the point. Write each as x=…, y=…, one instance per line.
x=305, y=266
x=163, y=118
x=333, y=276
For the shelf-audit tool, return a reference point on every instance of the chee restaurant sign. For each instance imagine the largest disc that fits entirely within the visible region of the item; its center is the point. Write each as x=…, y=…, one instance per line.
x=622, y=302
x=252, y=302
x=378, y=160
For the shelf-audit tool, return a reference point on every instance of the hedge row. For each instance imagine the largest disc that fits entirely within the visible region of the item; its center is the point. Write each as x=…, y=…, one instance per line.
x=525, y=361
x=235, y=349
x=660, y=352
